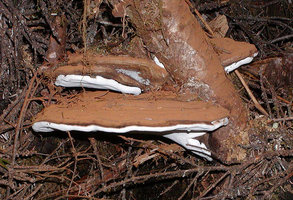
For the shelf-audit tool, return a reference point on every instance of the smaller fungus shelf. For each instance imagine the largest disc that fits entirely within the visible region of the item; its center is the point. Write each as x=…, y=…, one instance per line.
x=119, y=73
x=233, y=54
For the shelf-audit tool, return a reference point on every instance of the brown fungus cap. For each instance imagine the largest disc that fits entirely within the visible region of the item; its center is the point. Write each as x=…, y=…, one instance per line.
x=130, y=71
x=109, y=109
x=231, y=51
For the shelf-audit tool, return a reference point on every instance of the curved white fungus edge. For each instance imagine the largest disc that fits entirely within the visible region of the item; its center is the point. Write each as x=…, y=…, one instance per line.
x=44, y=126
x=235, y=65
x=98, y=83
x=188, y=141
x=158, y=62
x=184, y=138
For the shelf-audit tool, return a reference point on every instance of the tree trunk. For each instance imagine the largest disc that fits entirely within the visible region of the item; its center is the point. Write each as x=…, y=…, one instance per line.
x=173, y=34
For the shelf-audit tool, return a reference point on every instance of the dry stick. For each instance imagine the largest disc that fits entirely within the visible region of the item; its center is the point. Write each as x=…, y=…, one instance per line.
x=279, y=183
x=251, y=172
x=277, y=106
x=7, y=127
x=114, y=186
x=123, y=192
x=123, y=23
x=231, y=184
x=13, y=104
x=285, y=101
x=20, y=189
x=94, y=145
x=254, y=186
x=19, y=125
x=42, y=177
x=264, y=93
x=33, y=193
x=161, y=151
x=162, y=175
x=203, y=21
x=286, y=37
x=193, y=182
x=200, y=17
x=54, y=151
x=79, y=197
x=257, y=105
x=21, y=117
x=283, y=119
x=169, y=188
x=84, y=16
x=214, y=185
x=75, y=162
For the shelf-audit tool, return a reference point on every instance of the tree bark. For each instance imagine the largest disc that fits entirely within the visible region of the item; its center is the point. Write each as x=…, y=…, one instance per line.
x=172, y=33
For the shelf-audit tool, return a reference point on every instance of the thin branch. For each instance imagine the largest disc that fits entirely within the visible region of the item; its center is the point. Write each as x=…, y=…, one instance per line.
x=286, y=37
x=257, y=105
x=163, y=175
x=94, y=145
x=193, y=182
x=283, y=119
x=75, y=162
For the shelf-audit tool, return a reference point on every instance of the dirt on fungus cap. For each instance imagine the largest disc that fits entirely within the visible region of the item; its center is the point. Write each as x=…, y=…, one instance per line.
x=130, y=71
x=233, y=52
x=114, y=110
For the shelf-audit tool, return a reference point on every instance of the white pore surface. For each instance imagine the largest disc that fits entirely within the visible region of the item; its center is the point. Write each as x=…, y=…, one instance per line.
x=44, y=126
x=158, y=62
x=98, y=83
x=188, y=141
x=135, y=75
x=184, y=138
x=235, y=65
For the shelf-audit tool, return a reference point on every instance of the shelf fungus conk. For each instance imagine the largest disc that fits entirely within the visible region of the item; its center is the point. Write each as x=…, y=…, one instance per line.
x=233, y=54
x=118, y=73
x=180, y=121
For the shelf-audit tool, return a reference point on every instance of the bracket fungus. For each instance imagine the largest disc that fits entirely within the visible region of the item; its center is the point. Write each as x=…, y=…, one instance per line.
x=182, y=53
x=178, y=41
x=233, y=54
x=119, y=73
x=180, y=121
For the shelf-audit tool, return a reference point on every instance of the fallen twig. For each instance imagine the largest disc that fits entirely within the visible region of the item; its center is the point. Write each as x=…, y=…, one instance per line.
x=93, y=142
x=283, y=119
x=257, y=105
x=159, y=176
x=21, y=116
x=193, y=182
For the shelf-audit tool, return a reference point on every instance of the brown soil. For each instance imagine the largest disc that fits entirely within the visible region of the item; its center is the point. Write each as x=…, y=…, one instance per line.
x=109, y=109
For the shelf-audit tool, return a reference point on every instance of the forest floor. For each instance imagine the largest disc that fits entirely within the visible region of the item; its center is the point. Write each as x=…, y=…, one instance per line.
x=74, y=165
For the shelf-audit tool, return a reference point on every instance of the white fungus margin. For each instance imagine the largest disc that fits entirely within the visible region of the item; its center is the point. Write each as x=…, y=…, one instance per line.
x=97, y=83
x=235, y=65
x=183, y=134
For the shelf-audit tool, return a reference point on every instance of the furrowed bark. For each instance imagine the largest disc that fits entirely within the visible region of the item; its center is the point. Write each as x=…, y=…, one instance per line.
x=171, y=32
